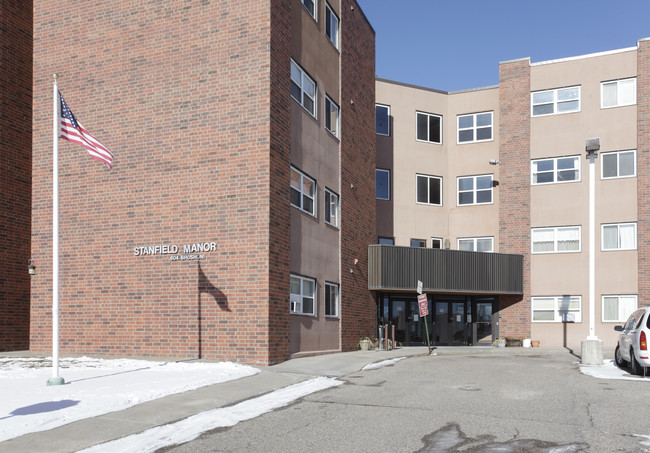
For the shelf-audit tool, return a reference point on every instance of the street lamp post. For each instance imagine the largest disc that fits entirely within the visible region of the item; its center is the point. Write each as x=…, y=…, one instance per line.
x=592, y=347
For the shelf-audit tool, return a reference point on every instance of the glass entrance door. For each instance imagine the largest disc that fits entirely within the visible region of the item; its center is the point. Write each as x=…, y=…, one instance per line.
x=409, y=325
x=451, y=323
x=482, y=329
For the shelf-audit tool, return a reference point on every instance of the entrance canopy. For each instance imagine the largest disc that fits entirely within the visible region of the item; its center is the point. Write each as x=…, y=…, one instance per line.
x=444, y=271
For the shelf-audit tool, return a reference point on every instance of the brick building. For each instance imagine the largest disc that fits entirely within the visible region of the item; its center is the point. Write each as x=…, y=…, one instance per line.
x=235, y=222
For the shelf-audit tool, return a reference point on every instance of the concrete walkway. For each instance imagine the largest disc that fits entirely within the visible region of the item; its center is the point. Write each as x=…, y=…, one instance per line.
x=92, y=431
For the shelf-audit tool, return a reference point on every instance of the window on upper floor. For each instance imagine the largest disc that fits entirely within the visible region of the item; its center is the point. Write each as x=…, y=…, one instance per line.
x=474, y=190
x=302, y=295
x=617, y=93
x=382, y=184
x=553, y=102
x=484, y=244
x=475, y=127
x=332, y=25
x=418, y=242
x=555, y=170
x=436, y=243
x=303, y=88
x=331, y=208
x=303, y=192
x=331, y=116
x=556, y=309
x=428, y=190
x=429, y=127
x=619, y=164
x=619, y=236
x=385, y=241
x=382, y=119
x=617, y=308
x=555, y=239
x=331, y=300
x=312, y=7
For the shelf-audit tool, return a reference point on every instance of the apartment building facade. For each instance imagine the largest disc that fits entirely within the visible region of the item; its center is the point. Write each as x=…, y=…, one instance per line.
x=234, y=224
x=503, y=170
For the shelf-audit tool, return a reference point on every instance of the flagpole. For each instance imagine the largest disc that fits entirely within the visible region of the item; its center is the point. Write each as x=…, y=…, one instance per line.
x=55, y=379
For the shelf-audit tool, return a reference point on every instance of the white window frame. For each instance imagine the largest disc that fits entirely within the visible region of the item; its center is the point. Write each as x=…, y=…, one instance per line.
x=332, y=115
x=620, y=245
x=428, y=116
x=474, y=128
x=297, y=300
x=387, y=107
x=329, y=304
x=556, y=238
x=556, y=99
x=619, y=85
x=555, y=171
x=474, y=191
x=556, y=304
x=388, y=173
x=331, y=208
x=474, y=242
x=331, y=19
x=300, y=190
x=603, y=156
x=314, y=11
x=428, y=179
x=623, y=312
x=300, y=78
x=436, y=240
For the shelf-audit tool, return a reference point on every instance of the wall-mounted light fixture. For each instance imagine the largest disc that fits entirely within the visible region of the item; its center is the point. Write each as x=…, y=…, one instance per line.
x=494, y=162
x=31, y=267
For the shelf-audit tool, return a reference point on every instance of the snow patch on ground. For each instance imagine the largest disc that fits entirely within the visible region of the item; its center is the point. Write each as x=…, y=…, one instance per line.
x=609, y=370
x=383, y=363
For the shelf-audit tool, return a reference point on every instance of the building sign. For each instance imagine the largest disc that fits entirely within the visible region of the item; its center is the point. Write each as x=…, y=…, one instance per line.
x=423, y=304
x=186, y=252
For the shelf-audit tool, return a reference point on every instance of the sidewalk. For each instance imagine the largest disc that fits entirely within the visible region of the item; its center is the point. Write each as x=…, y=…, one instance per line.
x=92, y=431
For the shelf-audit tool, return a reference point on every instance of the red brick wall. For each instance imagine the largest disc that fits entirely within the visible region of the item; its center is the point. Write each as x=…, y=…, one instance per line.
x=181, y=92
x=358, y=309
x=643, y=168
x=15, y=171
x=514, y=187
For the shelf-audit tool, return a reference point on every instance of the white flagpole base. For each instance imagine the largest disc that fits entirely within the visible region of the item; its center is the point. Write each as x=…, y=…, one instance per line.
x=55, y=381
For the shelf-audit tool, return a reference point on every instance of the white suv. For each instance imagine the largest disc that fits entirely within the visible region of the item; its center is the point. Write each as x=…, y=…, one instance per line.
x=632, y=347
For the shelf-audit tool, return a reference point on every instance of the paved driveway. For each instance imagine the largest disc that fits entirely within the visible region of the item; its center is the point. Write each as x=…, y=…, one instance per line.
x=470, y=400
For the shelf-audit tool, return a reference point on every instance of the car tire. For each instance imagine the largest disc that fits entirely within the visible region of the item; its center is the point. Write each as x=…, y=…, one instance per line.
x=635, y=368
x=618, y=358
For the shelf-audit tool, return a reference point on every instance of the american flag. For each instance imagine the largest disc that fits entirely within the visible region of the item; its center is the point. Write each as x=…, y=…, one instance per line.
x=73, y=131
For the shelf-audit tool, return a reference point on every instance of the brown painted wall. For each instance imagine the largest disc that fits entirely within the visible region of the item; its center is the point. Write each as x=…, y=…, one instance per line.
x=514, y=187
x=15, y=171
x=195, y=109
x=358, y=309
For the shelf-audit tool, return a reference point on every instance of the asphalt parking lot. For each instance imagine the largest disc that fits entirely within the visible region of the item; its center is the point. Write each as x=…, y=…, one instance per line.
x=469, y=400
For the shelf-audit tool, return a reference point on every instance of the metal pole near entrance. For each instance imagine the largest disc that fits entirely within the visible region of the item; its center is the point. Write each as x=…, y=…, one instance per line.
x=423, y=304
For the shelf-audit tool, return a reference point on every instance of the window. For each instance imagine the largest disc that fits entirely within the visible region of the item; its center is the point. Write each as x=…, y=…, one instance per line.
x=303, y=192
x=555, y=170
x=556, y=240
x=620, y=164
x=557, y=309
x=418, y=243
x=476, y=127
x=382, y=184
x=331, y=26
x=382, y=119
x=331, y=116
x=428, y=189
x=618, y=308
x=429, y=127
x=474, y=190
x=618, y=93
x=331, y=299
x=553, y=102
x=311, y=6
x=331, y=208
x=619, y=236
x=476, y=244
x=303, y=88
x=436, y=243
x=386, y=241
x=303, y=295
